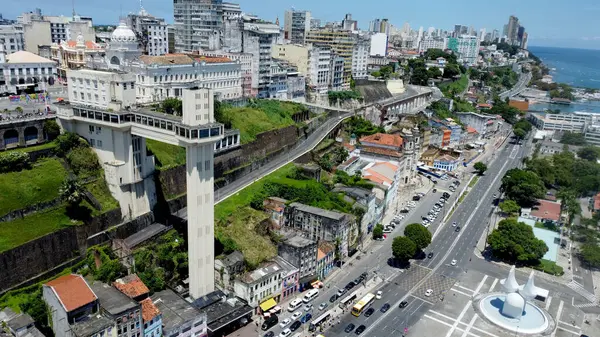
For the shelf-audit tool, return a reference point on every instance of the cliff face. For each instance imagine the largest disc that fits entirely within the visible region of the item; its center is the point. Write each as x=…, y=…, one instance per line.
x=373, y=91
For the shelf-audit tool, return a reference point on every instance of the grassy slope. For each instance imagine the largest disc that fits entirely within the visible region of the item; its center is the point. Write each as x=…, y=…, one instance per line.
x=459, y=85
x=49, y=145
x=28, y=187
x=18, y=232
x=101, y=192
x=256, y=118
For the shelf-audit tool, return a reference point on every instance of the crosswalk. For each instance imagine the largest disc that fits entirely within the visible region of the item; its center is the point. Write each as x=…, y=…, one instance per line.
x=581, y=291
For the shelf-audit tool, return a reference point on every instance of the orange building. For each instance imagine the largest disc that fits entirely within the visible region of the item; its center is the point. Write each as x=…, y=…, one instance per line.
x=446, y=133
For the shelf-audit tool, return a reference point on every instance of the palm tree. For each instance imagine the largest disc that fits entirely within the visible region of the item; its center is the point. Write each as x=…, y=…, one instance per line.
x=71, y=191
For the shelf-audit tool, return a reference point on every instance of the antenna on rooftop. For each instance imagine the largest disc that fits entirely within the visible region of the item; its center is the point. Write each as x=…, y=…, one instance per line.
x=73, y=4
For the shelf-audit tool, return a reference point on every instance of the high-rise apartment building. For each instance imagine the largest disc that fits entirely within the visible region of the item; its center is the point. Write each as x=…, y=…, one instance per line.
x=195, y=22
x=512, y=29
x=432, y=43
x=466, y=46
x=11, y=36
x=295, y=25
x=341, y=43
x=348, y=23
x=360, y=57
x=152, y=32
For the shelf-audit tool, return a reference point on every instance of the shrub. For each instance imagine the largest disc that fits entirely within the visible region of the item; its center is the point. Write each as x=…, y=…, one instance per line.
x=68, y=141
x=83, y=161
x=14, y=161
x=51, y=129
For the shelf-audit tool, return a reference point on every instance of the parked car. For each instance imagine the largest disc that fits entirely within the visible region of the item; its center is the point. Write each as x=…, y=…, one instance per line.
x=269, y=334
x=430, y=255
x=323, y=306
x=295, y=326
x=285, y=322
x=428, y=292
x=333, y=298
x=296, y=315
x=286, y=332
x=453, y=263
x=403, y=304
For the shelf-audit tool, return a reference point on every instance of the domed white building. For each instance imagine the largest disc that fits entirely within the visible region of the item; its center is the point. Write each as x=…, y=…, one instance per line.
x=123, y=47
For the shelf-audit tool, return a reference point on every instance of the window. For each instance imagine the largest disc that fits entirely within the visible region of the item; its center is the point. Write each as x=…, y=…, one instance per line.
x=99, y=144
x=98, y=130
x=207, y=165
x=82, y=96
x=91, y=128
x=93, y=142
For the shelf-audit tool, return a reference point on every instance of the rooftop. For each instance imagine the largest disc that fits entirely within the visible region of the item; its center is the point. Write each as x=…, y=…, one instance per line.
x=149, y=310
x=324, y=248
x=233, y=258
x=381, y=173
x=298, y=241
x=221, y=311
x=548, y=210
x=19, y=322
x=72, y=291
x=381, y=151
x=318, y=211
x=383, y=139
x=88, y=44
x=175, y=310
x=26, y=57
x=132, y=286
x=597, y=202
x=182, y=59
x=471, y=129
x=447, y=157
x=91, y=325
x=112, y=300
x=265, y=269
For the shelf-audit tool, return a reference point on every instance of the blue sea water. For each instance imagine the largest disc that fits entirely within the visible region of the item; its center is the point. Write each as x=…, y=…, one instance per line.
x=576, y=67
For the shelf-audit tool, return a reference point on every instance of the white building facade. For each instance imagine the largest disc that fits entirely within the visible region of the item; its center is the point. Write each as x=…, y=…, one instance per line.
x=11, y=36
x=319, y=69
x=360, y=58
x=378, y=44
x=23, y=70
x=160, y=77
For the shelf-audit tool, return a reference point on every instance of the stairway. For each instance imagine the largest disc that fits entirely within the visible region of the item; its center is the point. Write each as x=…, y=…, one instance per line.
x=581, y=291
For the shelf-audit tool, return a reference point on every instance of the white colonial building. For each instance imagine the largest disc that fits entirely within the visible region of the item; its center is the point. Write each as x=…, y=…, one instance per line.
x=23, y=70
x=160, y=77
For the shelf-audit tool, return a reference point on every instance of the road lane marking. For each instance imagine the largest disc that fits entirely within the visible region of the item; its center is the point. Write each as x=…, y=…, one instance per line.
x=465, y=288
x=569, y=331
x=548, y=303
x=493, y=285
x=569, y=324
x=558, y=313
x=459, y=319
x=470, y=326
x=457, y=329
x=480, y=285
x=460, y=292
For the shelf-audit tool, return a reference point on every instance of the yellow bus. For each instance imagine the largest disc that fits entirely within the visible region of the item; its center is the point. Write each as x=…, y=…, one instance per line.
x=364, y=302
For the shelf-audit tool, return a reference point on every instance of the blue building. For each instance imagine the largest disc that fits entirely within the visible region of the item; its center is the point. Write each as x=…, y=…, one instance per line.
x=446, y=163
x=325, y=258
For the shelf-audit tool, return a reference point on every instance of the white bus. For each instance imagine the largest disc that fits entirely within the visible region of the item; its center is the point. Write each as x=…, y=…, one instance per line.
x=348, y=299
x=311, y=295
x=316, y=323
x=295, y=304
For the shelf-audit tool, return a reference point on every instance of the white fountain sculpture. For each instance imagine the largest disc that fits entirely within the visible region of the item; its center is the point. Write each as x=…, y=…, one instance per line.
x=513, y=309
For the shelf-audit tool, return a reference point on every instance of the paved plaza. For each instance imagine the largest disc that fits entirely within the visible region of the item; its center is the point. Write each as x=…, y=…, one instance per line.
x=455, y=316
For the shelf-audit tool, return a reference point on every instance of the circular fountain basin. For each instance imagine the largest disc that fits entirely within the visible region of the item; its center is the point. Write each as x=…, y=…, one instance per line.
x=533, y=320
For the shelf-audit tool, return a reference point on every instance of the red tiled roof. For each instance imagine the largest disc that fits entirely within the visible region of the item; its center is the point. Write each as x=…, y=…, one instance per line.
x=349, y=147
x=72, y=291
x=383, y=139
x=471, y=129
x=88, y=44
x=212, y=59
x=131, y=286
x=484, y=105
x=380, y=151
x=549, y=210
x=149, y=310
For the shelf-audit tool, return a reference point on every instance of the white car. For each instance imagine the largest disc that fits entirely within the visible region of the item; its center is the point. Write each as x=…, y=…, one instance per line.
x=285, y=333
x=285, y=322
x=453, y=263
x=387, y=230
x=296, y=315
x=379, y=294
x=308, y=307
x=428, y=292
x=454, y=224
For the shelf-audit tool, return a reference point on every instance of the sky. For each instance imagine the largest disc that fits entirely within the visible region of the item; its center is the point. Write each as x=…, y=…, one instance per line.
x=556, y=23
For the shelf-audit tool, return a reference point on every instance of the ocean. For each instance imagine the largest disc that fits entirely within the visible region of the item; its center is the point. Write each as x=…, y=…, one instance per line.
x=576, y=67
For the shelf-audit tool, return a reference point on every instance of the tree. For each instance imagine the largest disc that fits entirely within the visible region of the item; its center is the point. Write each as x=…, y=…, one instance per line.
x=172, y=106
x=590, y=153
x=573, y=138
x=519, y=133
x=480, y=167
x=451, y=70
x=434, y=72
x=515, y=242
x=420, y=75
x=418, y=234
x=378, y=231
x=523, y=186
x=51, y=129
x=403, y=248
x=590, y=254
x=66, y=142
x=509, y=207
x=71, y=191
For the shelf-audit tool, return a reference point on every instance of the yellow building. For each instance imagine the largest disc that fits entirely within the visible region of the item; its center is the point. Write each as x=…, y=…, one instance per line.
x=341, y=43
x=74, y=54
x=296, y=54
